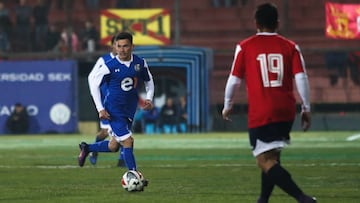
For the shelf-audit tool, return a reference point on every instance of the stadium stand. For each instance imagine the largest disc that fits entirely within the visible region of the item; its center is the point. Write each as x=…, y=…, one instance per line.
x=220, y=28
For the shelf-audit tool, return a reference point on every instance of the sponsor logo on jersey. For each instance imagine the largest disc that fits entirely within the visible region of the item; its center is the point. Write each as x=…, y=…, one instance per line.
x=137, y=67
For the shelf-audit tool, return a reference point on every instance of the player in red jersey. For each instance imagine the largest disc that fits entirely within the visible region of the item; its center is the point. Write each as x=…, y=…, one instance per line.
x=269, y=63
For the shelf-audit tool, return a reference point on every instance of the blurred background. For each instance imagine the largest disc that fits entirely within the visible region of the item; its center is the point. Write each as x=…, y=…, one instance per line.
x=48, y=48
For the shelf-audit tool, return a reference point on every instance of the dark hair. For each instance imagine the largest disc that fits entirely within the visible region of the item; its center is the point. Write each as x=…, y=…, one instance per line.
x=266, y=16
x=113, y=39
x=124, y=35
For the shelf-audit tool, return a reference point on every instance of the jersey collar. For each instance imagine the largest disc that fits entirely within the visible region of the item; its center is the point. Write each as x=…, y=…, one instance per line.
x=266, y=33
x=125, y=62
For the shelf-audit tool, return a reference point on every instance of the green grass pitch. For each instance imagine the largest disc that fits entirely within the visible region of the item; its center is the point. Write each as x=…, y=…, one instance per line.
x=209, y=167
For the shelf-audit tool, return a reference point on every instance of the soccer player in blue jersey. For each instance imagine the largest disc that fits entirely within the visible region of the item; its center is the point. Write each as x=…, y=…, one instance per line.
x=123, y=75
x=104, y=124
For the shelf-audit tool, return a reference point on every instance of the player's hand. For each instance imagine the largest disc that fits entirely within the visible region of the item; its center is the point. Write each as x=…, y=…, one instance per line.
x=305, y=120
x=148, y=105
x=103, y=114
x=226, y=114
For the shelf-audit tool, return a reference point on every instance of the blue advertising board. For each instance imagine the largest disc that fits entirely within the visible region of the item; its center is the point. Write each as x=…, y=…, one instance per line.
x=48, y=89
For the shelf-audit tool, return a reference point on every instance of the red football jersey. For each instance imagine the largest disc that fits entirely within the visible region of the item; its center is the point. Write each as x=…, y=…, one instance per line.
x=268, y=63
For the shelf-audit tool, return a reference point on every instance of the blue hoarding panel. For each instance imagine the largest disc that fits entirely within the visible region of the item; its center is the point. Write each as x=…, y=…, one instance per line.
x=48, y=89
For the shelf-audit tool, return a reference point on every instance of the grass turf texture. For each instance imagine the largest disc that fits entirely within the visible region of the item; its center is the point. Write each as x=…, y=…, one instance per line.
x=213, y=167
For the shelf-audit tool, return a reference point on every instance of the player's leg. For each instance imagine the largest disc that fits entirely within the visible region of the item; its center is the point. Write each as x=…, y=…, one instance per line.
x=114, y=145
x=121, y=135
x=105, y=126
x=129, y=158
x=265, y=162
x=258, y=143
x=127, y=145
x=121, y=162
x=267, y=185
x=266, y=142
x=280, y=176
x=85, y=149
x=101, y=135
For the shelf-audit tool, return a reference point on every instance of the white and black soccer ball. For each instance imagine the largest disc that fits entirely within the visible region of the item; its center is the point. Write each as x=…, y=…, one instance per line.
x=132, y=181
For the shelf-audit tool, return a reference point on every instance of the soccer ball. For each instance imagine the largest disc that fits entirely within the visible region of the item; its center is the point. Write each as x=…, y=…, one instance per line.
x=132, y=181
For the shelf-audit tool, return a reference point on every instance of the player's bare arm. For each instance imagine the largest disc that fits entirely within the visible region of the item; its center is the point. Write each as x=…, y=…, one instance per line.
x=305, y=120
x=226, y=114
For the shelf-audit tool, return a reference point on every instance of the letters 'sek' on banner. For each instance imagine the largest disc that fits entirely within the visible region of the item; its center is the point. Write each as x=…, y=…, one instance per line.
x=148, y=26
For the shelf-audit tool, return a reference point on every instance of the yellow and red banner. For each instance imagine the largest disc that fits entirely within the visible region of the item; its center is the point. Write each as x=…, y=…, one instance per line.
x=148, y=26
x=342, y=21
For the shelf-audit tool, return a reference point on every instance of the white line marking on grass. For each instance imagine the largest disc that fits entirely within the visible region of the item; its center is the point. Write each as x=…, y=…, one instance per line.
x=174, y=166
x=353, y=137
x=299, y=165
x=53, y=167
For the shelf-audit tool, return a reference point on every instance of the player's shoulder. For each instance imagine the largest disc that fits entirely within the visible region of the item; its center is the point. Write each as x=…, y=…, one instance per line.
x=251, y=41
x=247, y=40
x=138, y=60
x=106, y=57
x=290, y=44
x=111, y=62
x=285, y=39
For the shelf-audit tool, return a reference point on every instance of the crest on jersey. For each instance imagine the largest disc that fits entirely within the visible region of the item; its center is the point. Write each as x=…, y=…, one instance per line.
x=137, y=67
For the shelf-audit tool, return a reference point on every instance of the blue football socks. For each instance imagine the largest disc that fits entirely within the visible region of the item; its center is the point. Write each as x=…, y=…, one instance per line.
x=121, y=154
x=102, y=146
x=129, y=158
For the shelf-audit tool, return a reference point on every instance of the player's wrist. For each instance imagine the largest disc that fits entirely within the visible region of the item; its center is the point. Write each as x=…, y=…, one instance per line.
x=227, y=104
x=305, y=108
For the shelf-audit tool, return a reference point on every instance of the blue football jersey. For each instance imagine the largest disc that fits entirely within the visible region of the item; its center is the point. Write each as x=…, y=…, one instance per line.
x=123, y=84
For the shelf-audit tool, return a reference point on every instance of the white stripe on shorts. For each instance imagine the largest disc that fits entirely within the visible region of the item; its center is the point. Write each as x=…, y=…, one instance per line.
x=118, y=138
x=104, y=126
x=264, y=147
